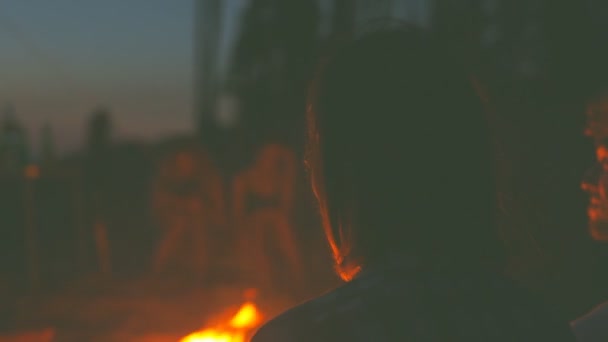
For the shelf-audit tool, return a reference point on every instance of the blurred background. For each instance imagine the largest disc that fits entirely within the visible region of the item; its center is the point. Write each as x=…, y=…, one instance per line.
x=151, y=172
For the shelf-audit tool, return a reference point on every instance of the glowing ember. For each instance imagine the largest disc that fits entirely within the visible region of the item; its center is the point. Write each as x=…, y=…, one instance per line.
x=246, y=319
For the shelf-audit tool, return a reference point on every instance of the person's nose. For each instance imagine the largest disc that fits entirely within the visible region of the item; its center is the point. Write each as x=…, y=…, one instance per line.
x=590, y=181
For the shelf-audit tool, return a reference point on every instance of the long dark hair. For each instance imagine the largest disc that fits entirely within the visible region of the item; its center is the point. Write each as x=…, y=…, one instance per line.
x=400, y=154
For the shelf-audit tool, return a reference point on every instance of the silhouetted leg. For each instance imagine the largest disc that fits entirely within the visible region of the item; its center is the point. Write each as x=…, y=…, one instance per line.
x=288, y=246
x=266, y=273
x=169, y=245
x=200, y=256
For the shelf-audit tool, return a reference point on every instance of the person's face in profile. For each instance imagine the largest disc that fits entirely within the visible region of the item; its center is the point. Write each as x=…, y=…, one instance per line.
x=595, y=182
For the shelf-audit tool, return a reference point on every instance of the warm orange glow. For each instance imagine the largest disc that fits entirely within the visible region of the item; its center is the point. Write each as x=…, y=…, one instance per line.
x=32, y=171
x=247, y=317
x=236, y=330
x=601, y=153
x=212, y=335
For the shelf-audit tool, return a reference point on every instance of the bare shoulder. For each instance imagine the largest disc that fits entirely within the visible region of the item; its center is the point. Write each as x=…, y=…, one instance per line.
x=301, y=323
x=314, y=320
x=282, y=328
x=273, y=332
x=593, y=326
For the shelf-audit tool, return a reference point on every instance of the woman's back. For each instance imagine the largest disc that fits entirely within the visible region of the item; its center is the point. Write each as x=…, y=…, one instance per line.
x=405, y=304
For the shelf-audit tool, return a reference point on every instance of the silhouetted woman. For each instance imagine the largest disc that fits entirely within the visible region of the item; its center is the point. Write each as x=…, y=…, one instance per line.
x=402, y=165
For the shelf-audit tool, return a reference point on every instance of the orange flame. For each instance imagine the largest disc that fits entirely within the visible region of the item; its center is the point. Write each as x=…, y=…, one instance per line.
x=246, y=319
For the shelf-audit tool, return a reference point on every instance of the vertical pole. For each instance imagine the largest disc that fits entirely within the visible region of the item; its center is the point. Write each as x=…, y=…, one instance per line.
x=31, y=236
x=103, y=247
x=207, y=37
x=78, y=207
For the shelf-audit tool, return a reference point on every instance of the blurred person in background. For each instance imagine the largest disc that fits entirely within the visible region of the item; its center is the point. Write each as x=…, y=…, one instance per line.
x=188, y=201
x=263, y=197
x=98, y=181
x=595, y=182
x=594, y=325
x=403, y=167
x=14, y=154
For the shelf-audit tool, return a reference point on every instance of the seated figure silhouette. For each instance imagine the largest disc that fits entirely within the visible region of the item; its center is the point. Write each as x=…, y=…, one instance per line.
x=402, y=165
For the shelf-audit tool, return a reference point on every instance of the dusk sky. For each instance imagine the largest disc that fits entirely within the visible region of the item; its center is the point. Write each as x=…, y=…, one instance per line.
x=62, y=58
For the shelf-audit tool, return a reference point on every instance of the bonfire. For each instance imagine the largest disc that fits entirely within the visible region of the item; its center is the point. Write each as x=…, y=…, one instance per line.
x=237, y=328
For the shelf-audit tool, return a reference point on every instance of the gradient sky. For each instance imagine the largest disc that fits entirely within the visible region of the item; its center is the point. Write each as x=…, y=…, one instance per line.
x=62, y=58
